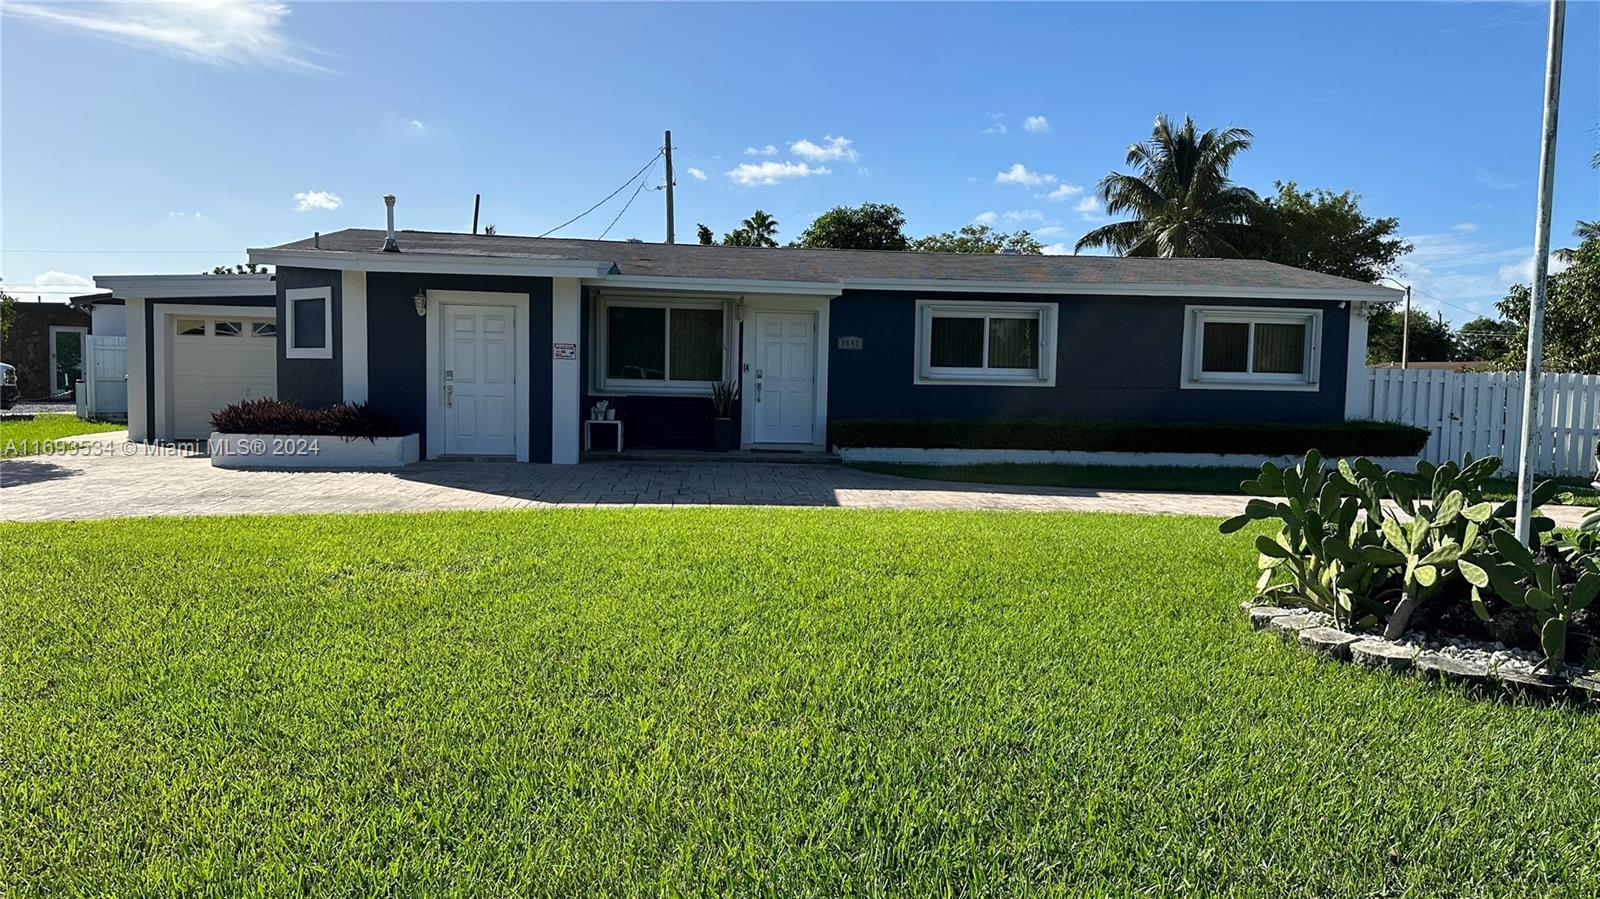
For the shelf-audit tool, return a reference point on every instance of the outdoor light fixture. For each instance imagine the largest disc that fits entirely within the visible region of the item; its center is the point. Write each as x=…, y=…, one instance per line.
x=421, y=300
x=738, y=310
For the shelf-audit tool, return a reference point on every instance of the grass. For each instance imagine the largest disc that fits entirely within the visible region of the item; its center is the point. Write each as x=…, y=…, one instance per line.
x=1129, y=477
x=28, y=436
x=733, y=702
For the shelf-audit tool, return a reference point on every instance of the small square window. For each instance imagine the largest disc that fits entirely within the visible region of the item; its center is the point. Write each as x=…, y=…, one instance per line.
x=264, y=329
x=309, y=311
x=191, y=327
x=228, y=329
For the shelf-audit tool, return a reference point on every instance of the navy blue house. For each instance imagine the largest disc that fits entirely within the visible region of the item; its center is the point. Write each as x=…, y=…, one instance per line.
x=490, y=345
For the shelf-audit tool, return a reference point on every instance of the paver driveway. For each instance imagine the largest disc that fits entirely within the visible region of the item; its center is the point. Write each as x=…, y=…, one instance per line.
x=119, y=479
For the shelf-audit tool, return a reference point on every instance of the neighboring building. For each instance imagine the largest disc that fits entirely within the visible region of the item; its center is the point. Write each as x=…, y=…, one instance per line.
x=497, y=345
x=46, y=345
x=108, y=318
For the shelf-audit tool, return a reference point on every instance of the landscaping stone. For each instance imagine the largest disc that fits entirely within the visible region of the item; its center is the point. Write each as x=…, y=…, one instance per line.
x=1261, y=615
x=1288, y=626
x=1449, y=669
x=1586, y=688
x=1383, y=654
x=1518, y=680
x=1328, y=641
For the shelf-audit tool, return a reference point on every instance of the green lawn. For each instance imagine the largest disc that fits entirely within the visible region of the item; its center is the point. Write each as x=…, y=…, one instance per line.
x=1127, y=477
x=733, y=702
x=25, y=437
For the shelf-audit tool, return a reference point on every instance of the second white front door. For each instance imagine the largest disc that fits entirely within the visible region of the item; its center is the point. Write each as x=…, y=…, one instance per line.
x=784, y=377
x=479, y=371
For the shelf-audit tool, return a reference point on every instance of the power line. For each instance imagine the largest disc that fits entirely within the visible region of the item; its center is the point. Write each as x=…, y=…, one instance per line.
x=608, y=196
x=642, y=183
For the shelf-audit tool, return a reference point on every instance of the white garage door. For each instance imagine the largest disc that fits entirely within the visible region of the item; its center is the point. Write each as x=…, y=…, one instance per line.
x=217, y=361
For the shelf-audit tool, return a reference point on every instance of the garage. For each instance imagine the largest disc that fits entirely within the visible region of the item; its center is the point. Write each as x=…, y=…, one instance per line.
x=219, y=360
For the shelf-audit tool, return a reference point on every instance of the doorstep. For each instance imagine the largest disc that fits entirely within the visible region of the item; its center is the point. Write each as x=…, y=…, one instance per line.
x=807, y=455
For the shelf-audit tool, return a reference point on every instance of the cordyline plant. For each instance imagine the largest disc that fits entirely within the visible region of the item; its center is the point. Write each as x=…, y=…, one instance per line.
x=1370, y=546
x=274, y=416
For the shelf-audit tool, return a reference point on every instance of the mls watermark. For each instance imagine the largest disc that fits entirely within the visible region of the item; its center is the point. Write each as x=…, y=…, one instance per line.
x=216, y=446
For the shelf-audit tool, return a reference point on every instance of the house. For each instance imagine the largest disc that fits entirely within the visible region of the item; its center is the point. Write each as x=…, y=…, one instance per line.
x=106, y=313
x=493, y=345
x=46, y=345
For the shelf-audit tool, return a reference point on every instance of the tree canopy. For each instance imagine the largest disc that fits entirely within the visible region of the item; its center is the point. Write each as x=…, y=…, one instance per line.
x=1180, y=198
x=759, y=230
x=1571, y=314
x=870, y=226
x=978, y=239
x=1431, y=338
x=1325, y=232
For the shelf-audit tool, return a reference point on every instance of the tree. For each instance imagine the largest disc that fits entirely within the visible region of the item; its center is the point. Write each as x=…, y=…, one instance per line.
x=1484, y=340
x=870, y=226
x=705, y=235
x=248, y=268
x=1431, y=339
x=759, y=230
x=1326, y=232
x=1181, y=199
x=488, y=231
x=978, y=239
x=8, y=314
x=1572, y=307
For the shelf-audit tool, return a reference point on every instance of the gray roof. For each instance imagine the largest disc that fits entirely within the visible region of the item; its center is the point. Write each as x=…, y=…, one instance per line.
x=827, y=266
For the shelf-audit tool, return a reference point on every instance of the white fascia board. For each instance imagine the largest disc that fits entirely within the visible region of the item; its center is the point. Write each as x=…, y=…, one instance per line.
x=431, y=263
x=727, y=286
x=141, y=287
x=1362, y=294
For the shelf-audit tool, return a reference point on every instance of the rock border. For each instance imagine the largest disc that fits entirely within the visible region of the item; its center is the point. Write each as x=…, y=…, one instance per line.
x=1312, y=633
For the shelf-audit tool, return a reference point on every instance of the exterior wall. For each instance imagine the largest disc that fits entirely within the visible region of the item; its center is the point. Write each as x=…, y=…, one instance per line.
x=142, y=354
x=397, y=348
x=1102, y=371
x=28, y=345
x=110, y=320
x=311, y=382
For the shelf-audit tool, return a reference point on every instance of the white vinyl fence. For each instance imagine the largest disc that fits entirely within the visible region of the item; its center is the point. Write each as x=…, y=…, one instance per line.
x=105, y=377
x=1481, y=413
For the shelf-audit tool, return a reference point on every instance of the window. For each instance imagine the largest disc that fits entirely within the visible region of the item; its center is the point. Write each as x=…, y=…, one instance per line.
x=985, y=343
x=264, y=329
x=228, y=329
x=1235, y=347
x=660, y=346
x=310, y=323
x=191, y=327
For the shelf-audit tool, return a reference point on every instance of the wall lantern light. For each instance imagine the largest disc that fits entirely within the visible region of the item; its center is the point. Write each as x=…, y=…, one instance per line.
x=421, y=300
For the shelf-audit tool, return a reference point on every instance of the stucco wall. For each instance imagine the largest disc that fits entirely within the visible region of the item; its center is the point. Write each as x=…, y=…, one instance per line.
x=311, y=382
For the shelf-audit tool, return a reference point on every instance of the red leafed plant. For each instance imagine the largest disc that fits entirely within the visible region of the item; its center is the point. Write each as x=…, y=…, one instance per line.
x=272, y=416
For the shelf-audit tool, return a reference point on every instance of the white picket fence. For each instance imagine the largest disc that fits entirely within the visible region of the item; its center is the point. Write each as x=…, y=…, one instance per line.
x=106, y=377
x=1481, y=413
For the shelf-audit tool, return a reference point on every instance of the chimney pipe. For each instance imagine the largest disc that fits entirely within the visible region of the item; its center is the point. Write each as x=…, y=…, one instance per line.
x=389, y=243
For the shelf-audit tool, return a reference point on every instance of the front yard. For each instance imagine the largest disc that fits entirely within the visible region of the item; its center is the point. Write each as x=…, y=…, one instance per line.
x=813, y=702
x=29, y=436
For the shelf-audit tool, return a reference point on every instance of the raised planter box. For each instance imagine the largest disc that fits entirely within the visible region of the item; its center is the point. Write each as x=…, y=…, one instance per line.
x=293, y=451
x=1077, y=457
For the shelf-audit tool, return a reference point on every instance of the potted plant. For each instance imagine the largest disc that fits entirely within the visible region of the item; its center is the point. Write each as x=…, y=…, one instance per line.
x=723, y=395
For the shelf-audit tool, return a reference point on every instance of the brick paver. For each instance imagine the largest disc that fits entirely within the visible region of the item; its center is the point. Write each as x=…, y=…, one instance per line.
x=119, y=479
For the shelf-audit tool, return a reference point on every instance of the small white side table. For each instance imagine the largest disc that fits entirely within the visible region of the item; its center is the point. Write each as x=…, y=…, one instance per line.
x=588, y=431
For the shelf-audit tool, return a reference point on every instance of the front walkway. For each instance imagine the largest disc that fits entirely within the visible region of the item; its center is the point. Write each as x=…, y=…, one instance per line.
x=120, y=479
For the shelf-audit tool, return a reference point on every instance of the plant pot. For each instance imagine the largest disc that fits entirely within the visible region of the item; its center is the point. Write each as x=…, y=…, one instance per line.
x=722, y=436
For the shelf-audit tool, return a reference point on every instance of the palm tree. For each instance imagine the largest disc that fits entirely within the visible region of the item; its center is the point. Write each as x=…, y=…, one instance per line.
x=762, y=229
x=1181, y=200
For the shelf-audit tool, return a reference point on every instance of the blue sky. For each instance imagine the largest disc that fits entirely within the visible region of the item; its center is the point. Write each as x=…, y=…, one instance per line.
x=168, y=138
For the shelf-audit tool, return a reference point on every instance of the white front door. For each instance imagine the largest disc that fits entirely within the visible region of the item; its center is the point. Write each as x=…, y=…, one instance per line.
x=784, y=377
x=479, y=371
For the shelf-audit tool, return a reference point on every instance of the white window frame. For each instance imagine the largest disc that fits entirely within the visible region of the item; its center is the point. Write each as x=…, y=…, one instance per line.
x=927, y=374
x=290, y=296
x=600, y=322
x=1194, y=322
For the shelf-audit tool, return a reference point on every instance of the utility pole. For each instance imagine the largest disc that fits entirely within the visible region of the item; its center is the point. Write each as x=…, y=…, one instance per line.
x=1541, y=264
x=1405, y=332
x=476, y=199
x=672, y=236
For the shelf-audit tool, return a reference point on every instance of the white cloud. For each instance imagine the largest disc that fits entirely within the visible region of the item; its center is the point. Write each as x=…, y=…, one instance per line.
x=1021, y=174
x=1058, y=249
x=1036, y=124
x=751, y=174
x=1464, y=227
x=52, y=283
x=246, y=33
x=830, y=149
x=1063, y=191
x=1049, y=231
x=195, y=216
x=696, y=174
x=768, y=150
x=1088, y=209
x=1522, y=272
x=1494, y=182
x=1460, y=275
x=997, y=124
x=1024, y=215
x=985, y=218
x=305, y=201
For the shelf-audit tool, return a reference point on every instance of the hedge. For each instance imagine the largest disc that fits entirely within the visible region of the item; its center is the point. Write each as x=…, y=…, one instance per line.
x=272, y=416
x=1338, y=438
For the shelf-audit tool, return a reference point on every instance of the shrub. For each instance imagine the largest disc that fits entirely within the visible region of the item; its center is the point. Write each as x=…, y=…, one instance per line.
x=271, y=416
x=1369, y=438
x=1342, y=548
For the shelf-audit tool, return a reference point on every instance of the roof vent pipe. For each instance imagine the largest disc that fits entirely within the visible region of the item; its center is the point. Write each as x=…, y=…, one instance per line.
x=389, y=243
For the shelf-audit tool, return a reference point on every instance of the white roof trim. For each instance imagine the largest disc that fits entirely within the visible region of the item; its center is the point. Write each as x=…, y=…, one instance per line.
x=141, y=287
x=431, y=263
x=717, y=285
x=1363, y=294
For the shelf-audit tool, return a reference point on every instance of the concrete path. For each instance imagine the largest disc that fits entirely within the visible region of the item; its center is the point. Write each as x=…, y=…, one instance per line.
x=107, y=477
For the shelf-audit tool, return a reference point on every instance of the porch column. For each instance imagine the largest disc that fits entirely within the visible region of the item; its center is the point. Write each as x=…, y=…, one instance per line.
x=353, y=321
x=1357, y=392
x=566, y=371
x=137, y=365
